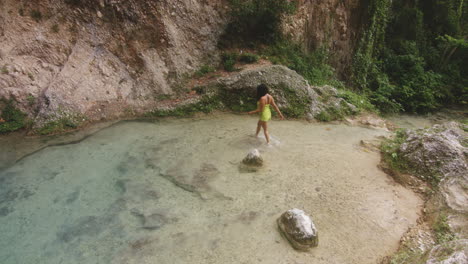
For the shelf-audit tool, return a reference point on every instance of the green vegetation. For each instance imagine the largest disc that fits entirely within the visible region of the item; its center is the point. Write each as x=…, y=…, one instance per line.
x=313, y=67
x=255, y=21
x=413, y=55
x=408, y=256
x=442, y=230
x=31, y=100
x=396, y=161
x=228, y=60
x=391, y=154
x=297, y=104
x=248, y=58
x=55, y=28
x=204, y=70
x=36, y=15
x=238, y=101
x=58, y=126
x=13, y=119
x=5, y=69
x=206, y=105
x=359, y=100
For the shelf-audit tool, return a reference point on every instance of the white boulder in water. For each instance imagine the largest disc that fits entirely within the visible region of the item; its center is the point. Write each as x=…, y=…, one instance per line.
x=299, y=229
x=253, y=158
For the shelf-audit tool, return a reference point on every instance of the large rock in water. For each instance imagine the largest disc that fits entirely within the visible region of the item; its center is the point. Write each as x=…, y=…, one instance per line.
x=299, y=229
x=440, y=153
x=439, y=150
x=292, y=93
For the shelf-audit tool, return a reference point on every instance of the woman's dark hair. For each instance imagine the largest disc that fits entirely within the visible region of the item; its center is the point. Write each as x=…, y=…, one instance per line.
x=262, y=89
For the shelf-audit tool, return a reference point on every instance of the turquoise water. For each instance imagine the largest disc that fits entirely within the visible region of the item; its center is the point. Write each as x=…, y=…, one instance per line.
x=172, y=192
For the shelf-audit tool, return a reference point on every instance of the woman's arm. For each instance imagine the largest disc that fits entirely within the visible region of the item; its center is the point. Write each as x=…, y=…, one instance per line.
x=276, y=108
x=260, y=107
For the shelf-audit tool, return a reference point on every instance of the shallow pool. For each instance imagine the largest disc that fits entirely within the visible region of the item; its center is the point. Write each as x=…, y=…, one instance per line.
x=171, y=192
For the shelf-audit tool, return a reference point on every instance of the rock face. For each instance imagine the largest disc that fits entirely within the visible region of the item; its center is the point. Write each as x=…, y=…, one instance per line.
x=299, y=229
x=451, y=253
x=292, y=93
x=101, y=58
x=253, y=159
x=439, y=154
x=437, y=151
x=330, y=24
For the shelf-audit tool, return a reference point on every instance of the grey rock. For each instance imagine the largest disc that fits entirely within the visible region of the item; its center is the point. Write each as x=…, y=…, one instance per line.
x=299, y=229
x=454, y=252
x=438, y=150
x=293, y=94
x=441, y=152
x=253, y=158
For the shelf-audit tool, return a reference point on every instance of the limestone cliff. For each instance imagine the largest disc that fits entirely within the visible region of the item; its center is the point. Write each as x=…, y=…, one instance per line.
x=331, y=24
x=102, y=58
x=97, y=58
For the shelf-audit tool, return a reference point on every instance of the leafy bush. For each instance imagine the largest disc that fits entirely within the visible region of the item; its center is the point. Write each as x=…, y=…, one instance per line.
x=228, y=61
x=248, y=58
x=417, y=61
x=36, y=15
x=391, y=152
x=361, y=101
x=205, y=69
x=58, y=126
x=13, y=118
x=314, y=66
x=206, y=105
x=442, y=230
x=256, y=21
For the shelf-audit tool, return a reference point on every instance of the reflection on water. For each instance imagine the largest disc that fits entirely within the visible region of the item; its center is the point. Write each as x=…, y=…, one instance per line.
x=172, y=192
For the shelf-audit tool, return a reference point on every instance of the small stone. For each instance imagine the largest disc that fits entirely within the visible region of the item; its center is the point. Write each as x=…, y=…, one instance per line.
x=253, y=158
x=99, y=14
x=299, y=229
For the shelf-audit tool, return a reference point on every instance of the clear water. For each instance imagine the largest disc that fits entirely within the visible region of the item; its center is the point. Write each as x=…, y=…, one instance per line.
x=172, y=192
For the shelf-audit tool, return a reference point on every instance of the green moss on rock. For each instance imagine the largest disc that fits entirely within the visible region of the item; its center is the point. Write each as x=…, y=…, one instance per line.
x=13, y=118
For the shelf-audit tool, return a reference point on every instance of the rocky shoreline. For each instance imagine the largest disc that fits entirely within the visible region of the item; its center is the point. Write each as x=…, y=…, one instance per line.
x=433, y=162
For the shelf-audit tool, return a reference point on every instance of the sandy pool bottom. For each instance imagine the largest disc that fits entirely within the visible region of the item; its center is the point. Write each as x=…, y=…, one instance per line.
x=172, y=192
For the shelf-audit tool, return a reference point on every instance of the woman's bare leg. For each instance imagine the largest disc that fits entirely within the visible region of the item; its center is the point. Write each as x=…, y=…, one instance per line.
x=259, y=126
x=265, y=131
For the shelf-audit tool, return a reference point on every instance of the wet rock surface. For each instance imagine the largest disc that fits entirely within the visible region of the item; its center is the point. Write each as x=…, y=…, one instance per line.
x=253, y=158
x=299, y=229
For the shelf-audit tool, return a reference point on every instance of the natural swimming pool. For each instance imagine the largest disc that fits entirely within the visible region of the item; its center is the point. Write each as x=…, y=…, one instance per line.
x=171, y=191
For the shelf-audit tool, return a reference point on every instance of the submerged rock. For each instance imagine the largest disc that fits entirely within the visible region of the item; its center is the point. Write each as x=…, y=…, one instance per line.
x=299, y=229
x=253, y=158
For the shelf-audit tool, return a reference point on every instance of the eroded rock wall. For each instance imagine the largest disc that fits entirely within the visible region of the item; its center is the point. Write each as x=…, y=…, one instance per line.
x=331, y=24
x=97, y=58
x=104, y=58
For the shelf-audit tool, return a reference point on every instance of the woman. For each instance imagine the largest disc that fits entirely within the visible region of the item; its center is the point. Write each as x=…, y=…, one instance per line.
x=264, y=100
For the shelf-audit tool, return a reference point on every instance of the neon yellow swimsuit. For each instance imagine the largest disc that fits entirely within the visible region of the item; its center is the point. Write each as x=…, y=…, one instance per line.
x=265, y=115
